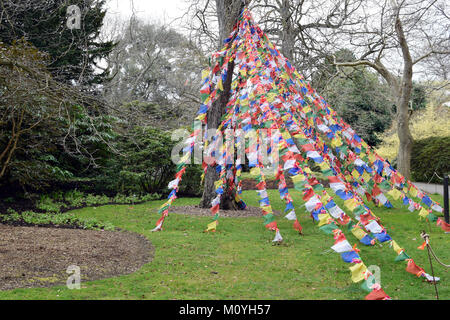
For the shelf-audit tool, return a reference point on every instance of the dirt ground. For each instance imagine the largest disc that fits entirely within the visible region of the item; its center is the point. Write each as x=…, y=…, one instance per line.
x=39, y=257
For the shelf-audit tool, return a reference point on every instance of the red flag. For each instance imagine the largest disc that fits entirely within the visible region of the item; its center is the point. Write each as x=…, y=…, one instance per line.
x=444, y=226
x=308, y=195
x=297, y=226
x=377, y=294
x=272, y=225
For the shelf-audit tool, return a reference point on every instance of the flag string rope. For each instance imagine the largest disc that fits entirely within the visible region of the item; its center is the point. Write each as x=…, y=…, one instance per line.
x=267, y=92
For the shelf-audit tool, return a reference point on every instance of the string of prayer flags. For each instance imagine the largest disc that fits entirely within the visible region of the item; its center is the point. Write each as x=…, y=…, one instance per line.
x=267, y=94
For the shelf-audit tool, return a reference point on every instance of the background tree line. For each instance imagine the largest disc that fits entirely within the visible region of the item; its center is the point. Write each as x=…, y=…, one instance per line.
x=95, y=107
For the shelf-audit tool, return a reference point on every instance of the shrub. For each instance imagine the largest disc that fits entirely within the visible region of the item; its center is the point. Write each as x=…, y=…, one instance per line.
x=430, y=155
x=62, y=219
x=190, y=184
x=145, y=166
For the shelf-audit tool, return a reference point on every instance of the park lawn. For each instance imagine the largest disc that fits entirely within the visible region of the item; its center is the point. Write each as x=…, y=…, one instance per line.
x=239, y=261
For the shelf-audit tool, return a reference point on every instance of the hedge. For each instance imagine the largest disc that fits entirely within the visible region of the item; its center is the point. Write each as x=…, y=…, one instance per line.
x=429, y=156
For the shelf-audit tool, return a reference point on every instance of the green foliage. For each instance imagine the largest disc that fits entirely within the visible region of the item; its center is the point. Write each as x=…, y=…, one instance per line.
x=431, y=122
x=47, y=204
x=429, y=156
x=147, y=163
x=190, y=184
x=357, y=95
x=61, y=219
x=144, y=165
x=73, y=53
x=74, y=198
x=45, y=135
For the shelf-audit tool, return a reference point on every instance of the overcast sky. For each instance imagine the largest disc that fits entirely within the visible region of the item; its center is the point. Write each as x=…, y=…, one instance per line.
x=148, y=10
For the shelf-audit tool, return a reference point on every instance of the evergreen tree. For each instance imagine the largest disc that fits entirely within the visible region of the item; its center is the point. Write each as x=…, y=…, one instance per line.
x=74, y=53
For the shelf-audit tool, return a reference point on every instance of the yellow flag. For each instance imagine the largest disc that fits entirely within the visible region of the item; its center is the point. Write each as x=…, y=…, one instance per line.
x=255, y=171
x=267, y=209
x=185, y=158
x=358, y=271
x=358, y=233
x=366, y=176
x=220, y=85
x=423, y=212
x=336, y=142
x=324, y=166
x=286, y=135
x=394, y=193
x=212, y=226
x=218, y=184
x=355, y=174
x=307, y=170
x=205, y=73
x=396, y=247
x=350, y=204
x=325, y=198
x=371, y=158
x=413, y=191
x=298, y=178
x=271, y=96
x=284, y=76
x=201, y=117
x=323, y=219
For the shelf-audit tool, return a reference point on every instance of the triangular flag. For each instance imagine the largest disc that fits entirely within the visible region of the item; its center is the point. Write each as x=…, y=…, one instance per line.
x=212, y=226
x=358, y=271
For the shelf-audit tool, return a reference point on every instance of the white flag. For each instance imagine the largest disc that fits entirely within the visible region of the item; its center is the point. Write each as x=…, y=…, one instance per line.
x=291, y=216
x=278, y=237
x=374, y=227
x=342, y=246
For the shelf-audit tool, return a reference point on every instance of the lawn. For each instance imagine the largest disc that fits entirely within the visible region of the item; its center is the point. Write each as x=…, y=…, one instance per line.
x=239, y=261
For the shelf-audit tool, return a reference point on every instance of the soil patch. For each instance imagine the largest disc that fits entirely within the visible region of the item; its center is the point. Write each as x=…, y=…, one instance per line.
x=197, y=211
x=39, y=257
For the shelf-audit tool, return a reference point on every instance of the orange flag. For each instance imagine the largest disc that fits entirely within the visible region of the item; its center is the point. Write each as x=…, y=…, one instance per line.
x=414, y=268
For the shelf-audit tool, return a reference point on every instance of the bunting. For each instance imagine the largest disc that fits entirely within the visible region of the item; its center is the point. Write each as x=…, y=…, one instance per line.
x=281, y=117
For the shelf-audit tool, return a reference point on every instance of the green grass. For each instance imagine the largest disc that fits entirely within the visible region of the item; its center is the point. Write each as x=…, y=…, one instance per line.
x=240, y=261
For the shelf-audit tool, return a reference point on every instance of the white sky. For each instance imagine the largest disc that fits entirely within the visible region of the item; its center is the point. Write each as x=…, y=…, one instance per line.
x=147, y=10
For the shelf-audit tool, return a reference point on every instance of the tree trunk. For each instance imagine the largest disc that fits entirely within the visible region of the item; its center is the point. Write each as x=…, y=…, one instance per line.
x=403, y=132
x=228, y=12
x=287, y=32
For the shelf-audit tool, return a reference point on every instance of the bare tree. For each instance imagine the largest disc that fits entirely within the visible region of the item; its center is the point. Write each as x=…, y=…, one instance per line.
x=394, y=38
x=299, y=27
x=228, y=12
x=155, y=74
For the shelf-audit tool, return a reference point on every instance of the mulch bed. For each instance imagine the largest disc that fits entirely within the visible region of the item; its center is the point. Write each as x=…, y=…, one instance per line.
x=197, y=211
x=250, y=184
x=39, y=257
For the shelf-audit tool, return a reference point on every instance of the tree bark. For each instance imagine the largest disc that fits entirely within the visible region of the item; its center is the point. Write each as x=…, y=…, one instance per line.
x=403, y=132
x=228, y=12
x=288, y=32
